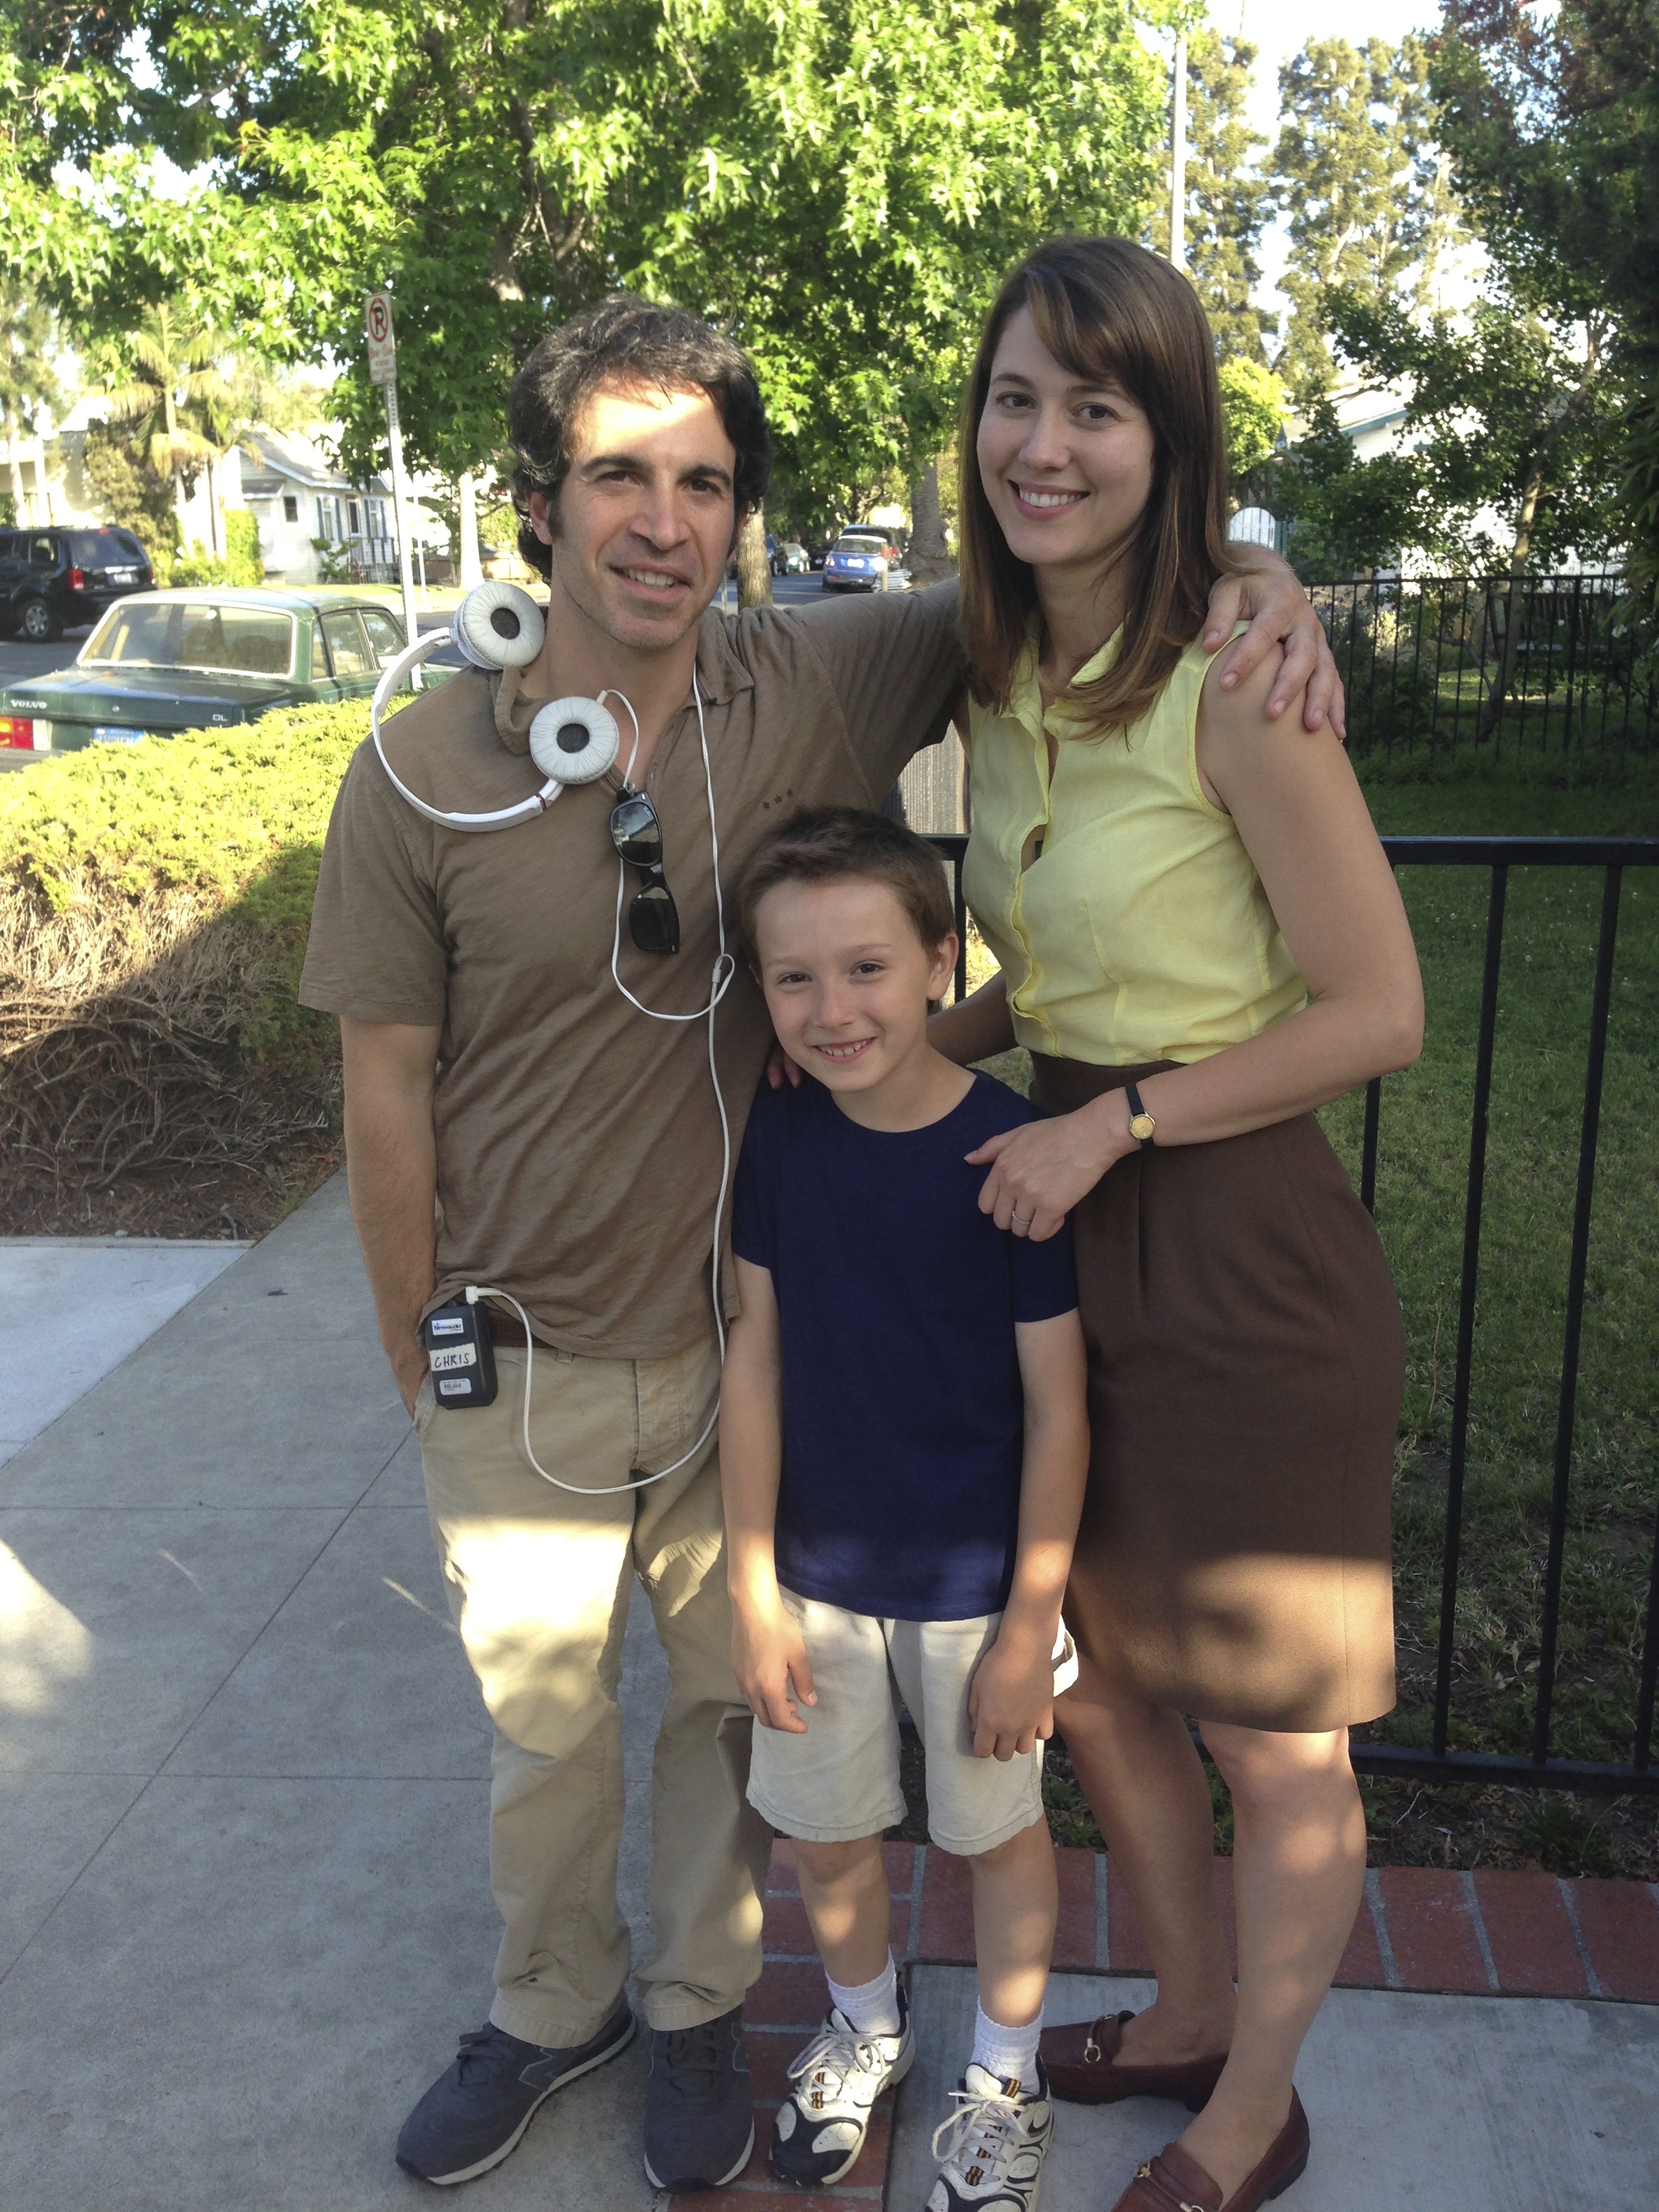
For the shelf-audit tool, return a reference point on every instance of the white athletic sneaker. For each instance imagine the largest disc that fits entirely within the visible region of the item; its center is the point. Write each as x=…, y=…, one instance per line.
x=992, y=2148
x=822, y=2124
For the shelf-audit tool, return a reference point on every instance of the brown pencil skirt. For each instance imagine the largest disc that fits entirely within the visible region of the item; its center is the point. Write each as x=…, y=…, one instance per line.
x=1246, y=1364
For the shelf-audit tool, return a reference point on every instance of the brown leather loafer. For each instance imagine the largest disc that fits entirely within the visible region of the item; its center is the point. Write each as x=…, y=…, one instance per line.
x=1081, y=2062
x=1173, y=2182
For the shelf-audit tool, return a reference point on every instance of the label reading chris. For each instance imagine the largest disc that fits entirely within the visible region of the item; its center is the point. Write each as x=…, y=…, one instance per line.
x=452, y=1356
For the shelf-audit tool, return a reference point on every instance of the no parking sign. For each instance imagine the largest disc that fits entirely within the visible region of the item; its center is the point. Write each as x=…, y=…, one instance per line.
x=382, y=345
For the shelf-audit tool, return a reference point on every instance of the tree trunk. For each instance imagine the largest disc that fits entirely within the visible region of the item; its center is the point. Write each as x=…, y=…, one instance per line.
x=928, y=560
x=1492, y=713
x=20, y=512
x=754, y=569
x=467, y=500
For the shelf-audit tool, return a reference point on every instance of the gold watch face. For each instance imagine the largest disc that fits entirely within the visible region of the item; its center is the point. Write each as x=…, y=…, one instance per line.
x=1142, y=1126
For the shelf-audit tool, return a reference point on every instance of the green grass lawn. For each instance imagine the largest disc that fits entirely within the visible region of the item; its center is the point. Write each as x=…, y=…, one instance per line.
x=1549, y=947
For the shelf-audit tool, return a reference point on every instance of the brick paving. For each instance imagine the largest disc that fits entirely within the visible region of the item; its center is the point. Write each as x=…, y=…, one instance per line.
x=1487, y=1934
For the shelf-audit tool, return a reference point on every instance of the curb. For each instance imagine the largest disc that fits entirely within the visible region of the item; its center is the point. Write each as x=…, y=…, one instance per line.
x=1486, y=1934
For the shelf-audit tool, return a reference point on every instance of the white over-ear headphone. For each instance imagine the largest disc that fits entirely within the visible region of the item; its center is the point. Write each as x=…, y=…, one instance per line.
x=571, y=740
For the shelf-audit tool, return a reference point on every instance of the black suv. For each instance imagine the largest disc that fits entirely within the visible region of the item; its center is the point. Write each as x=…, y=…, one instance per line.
x=51, y=579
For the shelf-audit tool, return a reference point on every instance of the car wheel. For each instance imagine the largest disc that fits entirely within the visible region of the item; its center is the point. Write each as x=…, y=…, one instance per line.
x=38, y=622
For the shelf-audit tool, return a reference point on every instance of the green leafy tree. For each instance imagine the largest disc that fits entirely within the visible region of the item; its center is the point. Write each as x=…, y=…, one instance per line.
x=129, y=490
x=1229, y=201
x=837, y=182
x=1366, y=186
x=1552, y=123
x=1346, y=516
x=1509, y=413
x=1255, y=406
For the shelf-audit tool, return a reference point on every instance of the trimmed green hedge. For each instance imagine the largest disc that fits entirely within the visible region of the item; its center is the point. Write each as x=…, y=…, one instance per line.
x=154, y=901
x=235, y=818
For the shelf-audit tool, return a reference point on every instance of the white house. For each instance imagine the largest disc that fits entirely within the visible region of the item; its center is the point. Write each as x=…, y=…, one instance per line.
x=296, y=496
x=293, y=490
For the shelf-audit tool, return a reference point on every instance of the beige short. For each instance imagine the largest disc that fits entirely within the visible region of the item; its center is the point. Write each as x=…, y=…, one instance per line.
x=840, y=1780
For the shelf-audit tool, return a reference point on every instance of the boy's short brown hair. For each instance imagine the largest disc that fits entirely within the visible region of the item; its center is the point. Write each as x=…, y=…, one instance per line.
x=828, y=844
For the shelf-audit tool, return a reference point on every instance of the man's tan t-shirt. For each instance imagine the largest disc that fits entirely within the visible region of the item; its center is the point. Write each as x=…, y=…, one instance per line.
x=578, y=1145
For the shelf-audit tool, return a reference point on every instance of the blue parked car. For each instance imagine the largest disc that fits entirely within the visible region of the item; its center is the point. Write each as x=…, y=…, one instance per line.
x=862, y=561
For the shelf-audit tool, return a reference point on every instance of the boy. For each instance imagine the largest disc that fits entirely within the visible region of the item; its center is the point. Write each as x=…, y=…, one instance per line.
x=903, y=1442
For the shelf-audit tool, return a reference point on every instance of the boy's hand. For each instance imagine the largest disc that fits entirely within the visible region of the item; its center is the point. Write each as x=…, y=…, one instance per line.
x=768, y=1658
x=1011, y=1700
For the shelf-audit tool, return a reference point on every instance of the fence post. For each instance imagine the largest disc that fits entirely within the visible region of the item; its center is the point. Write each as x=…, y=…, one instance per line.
x=1472, y=1209
x=1589, y=1131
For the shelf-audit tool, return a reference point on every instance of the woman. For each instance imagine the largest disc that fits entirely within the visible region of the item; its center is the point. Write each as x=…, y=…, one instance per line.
x=1200, y=942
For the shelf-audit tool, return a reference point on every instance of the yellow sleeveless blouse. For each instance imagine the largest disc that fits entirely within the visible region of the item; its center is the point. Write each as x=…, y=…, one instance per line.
x=1140, y=931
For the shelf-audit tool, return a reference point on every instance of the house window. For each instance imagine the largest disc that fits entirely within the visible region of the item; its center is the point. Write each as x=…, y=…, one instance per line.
x=352, y=523
x=290, y=507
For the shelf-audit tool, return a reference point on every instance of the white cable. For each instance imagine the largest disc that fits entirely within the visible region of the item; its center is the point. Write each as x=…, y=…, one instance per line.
x=724, y=968
x=504, y=816
x=477, y=1291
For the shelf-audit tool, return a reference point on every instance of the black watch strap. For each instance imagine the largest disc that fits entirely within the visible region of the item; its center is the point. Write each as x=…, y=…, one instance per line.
x=1138, y=1114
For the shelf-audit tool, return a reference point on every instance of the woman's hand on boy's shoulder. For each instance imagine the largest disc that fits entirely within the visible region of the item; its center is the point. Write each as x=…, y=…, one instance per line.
x=1041, y=1170
x=768, y=1658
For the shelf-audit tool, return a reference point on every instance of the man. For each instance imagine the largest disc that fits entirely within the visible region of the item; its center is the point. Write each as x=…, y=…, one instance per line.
x=569, y=1148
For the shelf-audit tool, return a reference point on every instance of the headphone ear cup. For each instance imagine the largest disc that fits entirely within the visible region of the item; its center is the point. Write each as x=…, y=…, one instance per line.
x=573, y=740
x=498, y=626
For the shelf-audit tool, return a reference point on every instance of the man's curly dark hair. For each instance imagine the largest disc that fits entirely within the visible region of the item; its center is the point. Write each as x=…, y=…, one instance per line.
x=623, y=339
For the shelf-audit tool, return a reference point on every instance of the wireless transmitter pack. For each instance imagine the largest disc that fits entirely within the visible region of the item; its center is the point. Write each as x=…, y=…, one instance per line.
x=461, y=1354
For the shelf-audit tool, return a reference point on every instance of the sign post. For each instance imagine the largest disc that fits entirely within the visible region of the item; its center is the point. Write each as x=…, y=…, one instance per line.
x=383, y=371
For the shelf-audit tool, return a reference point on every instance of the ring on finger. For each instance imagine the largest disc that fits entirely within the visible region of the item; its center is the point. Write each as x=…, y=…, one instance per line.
x=1024, y=1220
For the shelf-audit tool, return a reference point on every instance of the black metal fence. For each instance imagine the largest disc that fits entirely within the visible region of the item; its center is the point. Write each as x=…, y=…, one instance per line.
x=1438, y=1761
x=1436, y=664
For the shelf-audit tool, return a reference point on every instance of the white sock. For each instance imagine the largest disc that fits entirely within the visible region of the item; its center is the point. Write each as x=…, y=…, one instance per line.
x=1010, y=2053
x=873, y=2007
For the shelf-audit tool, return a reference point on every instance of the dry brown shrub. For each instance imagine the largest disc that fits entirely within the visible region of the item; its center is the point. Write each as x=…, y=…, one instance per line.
x=124, y=1038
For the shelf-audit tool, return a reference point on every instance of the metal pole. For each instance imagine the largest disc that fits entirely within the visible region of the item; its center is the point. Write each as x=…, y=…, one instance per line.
x=1178, y=160
x=400, y=509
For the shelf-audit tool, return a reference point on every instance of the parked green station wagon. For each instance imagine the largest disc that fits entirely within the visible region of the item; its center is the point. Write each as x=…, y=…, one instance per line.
x=164, y=661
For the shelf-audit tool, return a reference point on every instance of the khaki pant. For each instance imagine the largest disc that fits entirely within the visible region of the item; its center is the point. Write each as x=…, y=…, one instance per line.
x=538, y=1583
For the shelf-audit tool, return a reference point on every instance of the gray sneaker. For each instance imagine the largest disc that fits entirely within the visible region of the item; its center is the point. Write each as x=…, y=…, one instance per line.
x=699, y=2107
x=476, y=2113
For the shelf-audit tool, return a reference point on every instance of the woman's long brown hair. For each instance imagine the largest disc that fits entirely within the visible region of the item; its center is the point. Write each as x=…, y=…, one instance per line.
x=1107, y=310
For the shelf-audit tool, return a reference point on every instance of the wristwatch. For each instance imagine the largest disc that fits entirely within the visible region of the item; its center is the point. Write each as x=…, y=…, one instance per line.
x=1141, y=1124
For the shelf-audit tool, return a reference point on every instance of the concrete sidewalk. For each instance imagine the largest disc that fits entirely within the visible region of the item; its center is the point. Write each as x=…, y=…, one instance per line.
x=1440, y=2104
x=245, y=1909
x=73, y=1307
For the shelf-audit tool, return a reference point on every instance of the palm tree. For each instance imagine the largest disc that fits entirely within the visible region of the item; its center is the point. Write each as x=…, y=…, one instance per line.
x=173, y=380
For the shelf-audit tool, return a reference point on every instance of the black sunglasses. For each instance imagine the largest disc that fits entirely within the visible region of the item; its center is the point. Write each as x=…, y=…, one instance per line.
x=653, y=920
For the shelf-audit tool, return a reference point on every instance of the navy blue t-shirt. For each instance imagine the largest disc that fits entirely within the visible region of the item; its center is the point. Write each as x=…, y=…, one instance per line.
x=903, y=1418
